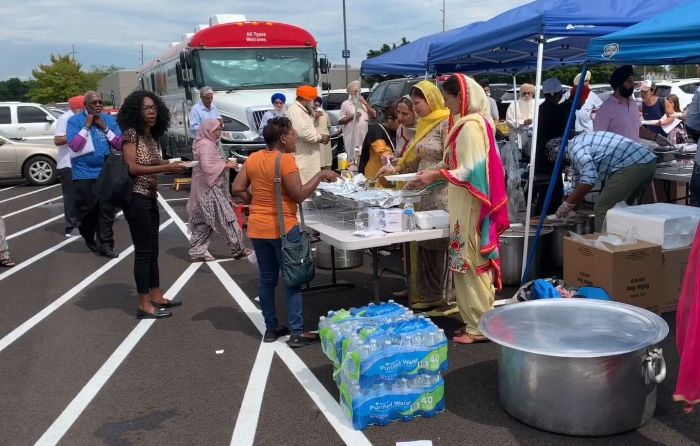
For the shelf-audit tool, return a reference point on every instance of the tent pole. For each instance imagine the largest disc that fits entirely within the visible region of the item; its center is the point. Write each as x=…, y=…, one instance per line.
x=533, y=153
x=557, y=168
x=515, y=102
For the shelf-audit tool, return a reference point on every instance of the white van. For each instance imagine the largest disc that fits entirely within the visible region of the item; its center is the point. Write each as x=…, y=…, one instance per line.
x=26, y=120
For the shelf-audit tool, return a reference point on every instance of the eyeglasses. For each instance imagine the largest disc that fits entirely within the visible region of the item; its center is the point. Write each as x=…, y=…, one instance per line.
x=149, y=108
x=96, y=102
x=279, y=103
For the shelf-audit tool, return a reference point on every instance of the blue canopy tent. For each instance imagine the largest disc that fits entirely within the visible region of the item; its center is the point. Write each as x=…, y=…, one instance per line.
x=410, y=59
x=557, y=31
x=669, y=38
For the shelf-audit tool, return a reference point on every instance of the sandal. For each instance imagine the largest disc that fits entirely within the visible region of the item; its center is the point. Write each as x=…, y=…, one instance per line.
x=468, y=338
x=7, y=263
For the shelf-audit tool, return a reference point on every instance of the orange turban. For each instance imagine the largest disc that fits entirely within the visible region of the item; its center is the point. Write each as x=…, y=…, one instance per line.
x=76, y=102
x=307, y=92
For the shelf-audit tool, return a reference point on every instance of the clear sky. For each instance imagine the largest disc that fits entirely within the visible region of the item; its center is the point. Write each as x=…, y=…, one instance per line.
x=112, y=32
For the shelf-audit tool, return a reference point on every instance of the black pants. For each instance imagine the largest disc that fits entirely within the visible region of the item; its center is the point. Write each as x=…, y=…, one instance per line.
x=95, y=216
x=142, y=216
x=68, y=191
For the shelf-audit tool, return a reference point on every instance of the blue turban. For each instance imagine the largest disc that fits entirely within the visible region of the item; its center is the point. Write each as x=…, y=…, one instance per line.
x=318, y=100
x=278, y=97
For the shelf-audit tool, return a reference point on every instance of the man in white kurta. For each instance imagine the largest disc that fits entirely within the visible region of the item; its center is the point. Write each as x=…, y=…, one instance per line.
x=309, y=140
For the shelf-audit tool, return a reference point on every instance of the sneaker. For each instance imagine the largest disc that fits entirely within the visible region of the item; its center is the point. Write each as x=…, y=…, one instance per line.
x=272, y=335
x=302, y=340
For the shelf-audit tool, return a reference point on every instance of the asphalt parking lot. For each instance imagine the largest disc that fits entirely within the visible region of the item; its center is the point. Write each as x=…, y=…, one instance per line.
x=77, y=367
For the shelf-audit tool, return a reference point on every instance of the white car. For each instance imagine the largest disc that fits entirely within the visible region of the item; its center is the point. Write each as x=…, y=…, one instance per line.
x=26, y=120
x=683, y=88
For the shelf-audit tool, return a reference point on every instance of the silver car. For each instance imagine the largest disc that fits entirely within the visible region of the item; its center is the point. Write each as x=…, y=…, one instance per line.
x=34, y=160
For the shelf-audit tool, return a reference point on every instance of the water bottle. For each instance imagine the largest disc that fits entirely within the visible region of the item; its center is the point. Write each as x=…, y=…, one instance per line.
x=410, y=216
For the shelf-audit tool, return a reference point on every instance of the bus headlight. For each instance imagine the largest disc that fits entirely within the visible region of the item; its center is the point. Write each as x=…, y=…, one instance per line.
x=233, y=136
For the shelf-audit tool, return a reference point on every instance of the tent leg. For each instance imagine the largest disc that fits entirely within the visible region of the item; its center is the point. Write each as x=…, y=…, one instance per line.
x=533, y=154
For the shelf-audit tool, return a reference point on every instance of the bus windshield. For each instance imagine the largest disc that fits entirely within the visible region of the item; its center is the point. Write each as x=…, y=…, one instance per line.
x=256, y=68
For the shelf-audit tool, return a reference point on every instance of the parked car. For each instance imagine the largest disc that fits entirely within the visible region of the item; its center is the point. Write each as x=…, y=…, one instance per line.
x=389, y=92
x=333, y=99
x=35, y=159
x=683, y=88
x=26, y=120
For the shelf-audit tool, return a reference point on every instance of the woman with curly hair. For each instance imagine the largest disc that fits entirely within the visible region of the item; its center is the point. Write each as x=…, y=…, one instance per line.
x=143, y=117
x=210, y=207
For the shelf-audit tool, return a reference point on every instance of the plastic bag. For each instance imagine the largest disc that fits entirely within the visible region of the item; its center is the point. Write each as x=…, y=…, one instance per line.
x=514, y=184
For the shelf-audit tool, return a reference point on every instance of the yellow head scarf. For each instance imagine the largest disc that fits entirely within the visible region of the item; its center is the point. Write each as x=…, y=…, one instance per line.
x=438, y=113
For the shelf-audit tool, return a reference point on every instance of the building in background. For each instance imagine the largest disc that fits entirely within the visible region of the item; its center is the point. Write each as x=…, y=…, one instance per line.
x=120, y=84
x=336, y=77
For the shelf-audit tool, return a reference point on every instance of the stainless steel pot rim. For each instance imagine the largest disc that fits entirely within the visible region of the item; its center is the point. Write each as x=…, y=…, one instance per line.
x=518, y=230
x=573, y=328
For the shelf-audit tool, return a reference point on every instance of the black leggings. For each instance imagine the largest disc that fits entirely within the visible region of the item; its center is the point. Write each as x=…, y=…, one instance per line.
x=142, y=216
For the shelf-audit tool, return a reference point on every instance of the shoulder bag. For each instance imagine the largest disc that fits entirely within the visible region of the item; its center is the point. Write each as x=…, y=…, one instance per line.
x=297, y=261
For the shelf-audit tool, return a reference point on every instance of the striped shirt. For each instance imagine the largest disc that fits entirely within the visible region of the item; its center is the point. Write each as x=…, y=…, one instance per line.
x=598, y=155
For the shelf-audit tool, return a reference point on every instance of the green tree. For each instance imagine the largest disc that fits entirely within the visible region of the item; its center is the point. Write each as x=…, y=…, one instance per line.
x=386, y=48
x=14, y=89
x=96, y=73
x=57, y=81
x=683, y=71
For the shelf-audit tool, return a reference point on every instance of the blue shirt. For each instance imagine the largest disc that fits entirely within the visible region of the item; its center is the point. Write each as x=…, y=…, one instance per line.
x=693, y=115
x=199, y=114
x=88, y=166
x=600, y=154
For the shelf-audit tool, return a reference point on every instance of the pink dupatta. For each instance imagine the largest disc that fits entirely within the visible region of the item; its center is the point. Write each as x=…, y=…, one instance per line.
x=205, y=174
x=688, y=332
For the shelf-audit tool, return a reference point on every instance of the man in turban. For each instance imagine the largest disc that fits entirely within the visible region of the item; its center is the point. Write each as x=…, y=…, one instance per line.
x=620, y=113
x=278, y=100
x=309, y=140
x=63, y=166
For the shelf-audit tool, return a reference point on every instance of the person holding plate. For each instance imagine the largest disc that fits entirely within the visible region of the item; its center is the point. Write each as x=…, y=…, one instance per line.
x=426, y=152
x=210, y=207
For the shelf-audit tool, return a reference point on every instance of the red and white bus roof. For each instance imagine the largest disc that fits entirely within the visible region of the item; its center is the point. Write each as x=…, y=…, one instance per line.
x=240, y=35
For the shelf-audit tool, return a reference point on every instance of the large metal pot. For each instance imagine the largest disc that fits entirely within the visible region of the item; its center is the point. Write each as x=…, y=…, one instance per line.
x=344, y=259
x=576, y=366
x=561, y=229
x=512, y=243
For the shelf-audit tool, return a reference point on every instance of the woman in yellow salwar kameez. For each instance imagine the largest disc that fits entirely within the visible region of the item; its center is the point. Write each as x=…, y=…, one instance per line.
x=476, y=201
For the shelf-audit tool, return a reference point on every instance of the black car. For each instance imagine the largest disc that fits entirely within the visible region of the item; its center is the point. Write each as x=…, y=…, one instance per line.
x=389, y=92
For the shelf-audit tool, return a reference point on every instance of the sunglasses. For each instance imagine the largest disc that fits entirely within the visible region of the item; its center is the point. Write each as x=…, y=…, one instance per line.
x=96, y=102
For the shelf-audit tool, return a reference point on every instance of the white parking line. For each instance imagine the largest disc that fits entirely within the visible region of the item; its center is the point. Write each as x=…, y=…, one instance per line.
x=20, y=266
x=32, y=206
x=248, y=415
x=30, y=193
x=76, y=407
x=325, y=402
x=177, y=199
x=68, y=295
x=31, y=228
x=8, y=188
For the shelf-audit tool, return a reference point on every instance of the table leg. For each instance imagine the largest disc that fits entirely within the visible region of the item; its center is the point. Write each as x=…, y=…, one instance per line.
x=334, y=282
x=375, y=274
x=409, y=290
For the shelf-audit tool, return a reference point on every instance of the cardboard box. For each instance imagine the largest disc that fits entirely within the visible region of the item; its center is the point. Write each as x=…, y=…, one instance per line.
x=628, y=273
x=673, y=264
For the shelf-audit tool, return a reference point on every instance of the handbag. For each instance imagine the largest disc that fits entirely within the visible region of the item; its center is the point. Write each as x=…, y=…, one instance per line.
x=114, y=184
x=297, y=262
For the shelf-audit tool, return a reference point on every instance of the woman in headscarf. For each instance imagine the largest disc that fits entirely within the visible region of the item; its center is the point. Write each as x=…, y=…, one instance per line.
x=210, y=208
x=476, y=202
x=407, y=125
x=5, y=260
x=379, y=144
x=355, y=114
x=278, y=100
x=323, y=127
x=426, y=152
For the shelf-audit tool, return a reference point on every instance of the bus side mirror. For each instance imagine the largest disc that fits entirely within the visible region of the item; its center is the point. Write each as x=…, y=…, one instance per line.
x=178, y=73
x=188, y=93
x=325, y=85
x=324, y=65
